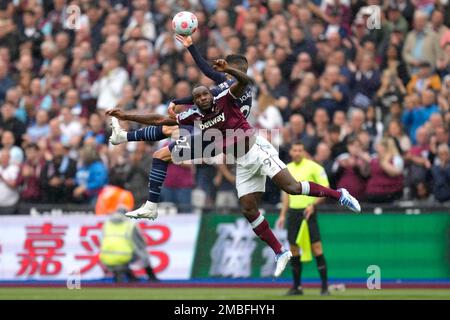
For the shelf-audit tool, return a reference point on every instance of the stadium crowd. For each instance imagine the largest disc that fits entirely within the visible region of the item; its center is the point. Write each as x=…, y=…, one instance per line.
x=366, y=91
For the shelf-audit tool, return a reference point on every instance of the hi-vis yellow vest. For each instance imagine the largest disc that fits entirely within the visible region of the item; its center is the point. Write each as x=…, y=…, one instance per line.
x=117, y=245
x=306, y=170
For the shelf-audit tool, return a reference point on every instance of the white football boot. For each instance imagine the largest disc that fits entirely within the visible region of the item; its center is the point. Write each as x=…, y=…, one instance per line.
x=347, y=200
x=118, y=135
x=146, y=211
x=282, y=260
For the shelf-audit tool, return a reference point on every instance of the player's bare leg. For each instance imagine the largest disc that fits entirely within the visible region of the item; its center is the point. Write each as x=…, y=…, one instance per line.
x=286, y=182
x=148, y=210
x=249, y=206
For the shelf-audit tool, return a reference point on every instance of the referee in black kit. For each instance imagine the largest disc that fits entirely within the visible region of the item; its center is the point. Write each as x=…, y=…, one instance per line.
x=301, y=207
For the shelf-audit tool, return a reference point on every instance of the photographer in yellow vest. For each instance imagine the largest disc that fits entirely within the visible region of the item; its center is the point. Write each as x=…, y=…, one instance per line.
x=296, y=208
x=122, y=244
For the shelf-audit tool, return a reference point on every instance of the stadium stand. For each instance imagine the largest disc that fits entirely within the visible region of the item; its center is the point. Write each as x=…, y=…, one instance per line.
x=327, y=74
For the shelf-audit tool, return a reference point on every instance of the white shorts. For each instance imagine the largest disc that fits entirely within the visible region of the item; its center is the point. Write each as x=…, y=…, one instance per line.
x=251, y=170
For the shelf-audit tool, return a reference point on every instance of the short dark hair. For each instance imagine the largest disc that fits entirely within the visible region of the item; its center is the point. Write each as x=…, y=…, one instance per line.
x=198, y=85
x=297, y=143
x=237, y=59
x=334, y=128
x=32, y=145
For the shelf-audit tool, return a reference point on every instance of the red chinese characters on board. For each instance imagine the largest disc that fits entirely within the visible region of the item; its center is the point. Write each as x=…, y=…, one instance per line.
x=90, y=237
x=156, y=235
x=43, y=250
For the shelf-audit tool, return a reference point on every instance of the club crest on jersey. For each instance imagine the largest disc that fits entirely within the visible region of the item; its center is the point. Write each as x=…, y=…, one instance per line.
x=213, y=121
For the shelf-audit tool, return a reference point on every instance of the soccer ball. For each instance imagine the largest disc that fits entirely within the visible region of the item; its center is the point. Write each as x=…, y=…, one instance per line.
x=184, y=23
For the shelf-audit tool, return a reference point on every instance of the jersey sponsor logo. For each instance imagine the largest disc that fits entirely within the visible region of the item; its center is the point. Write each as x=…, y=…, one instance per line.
x=187, y=113
x=212, y=122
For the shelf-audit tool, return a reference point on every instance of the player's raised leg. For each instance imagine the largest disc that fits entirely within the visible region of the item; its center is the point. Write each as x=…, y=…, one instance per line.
x=249, y=207
x=150, y=133
x=285, y=181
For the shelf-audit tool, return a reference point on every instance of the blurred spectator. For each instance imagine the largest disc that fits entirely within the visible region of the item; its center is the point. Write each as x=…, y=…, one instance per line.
x=9, y=122
x=418, y=112
x=224, y=181
x=337, y=144
x=58, y=175
x=365, y=82
x=417, y=162
x=424, y=79
x=30, y=35
x=91, y=176
x=6, y=81
x=441, y=135
x=143, y=21
x=421, y=44
x=28, y=181
x=395, y=131
x=385, y=182
x=302, y=102
x=95, y=129
x=331, y=94
x=391, y=91
x=9, y=195
x=295, y=130
x=352, y=169
x=443, y=64
x=178, y=186
x=71, y=127
x=8, y=143
x=136, y=179
x=40, y=128
x=441, y=174
x=274, y=91
x=108, y=88
x=323, y=157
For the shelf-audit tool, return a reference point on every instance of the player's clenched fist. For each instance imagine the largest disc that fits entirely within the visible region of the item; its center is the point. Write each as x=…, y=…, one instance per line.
x=220, y=65
x=116, y=112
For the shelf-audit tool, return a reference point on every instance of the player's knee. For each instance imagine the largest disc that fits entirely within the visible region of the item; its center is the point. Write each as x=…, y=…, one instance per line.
x=168, y=130
x=249, y=211
x=162, y=154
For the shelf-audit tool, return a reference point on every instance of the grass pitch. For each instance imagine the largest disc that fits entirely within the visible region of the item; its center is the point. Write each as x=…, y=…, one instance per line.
x=215, y=294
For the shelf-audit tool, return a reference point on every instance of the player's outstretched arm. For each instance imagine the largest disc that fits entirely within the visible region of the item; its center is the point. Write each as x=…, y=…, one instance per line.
x=243, y=80
x=151, y=119
x=217, y=77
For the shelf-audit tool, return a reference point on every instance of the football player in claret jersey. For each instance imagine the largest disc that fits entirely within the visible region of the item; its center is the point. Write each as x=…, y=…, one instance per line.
x=222, y=82
x=258, y=159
